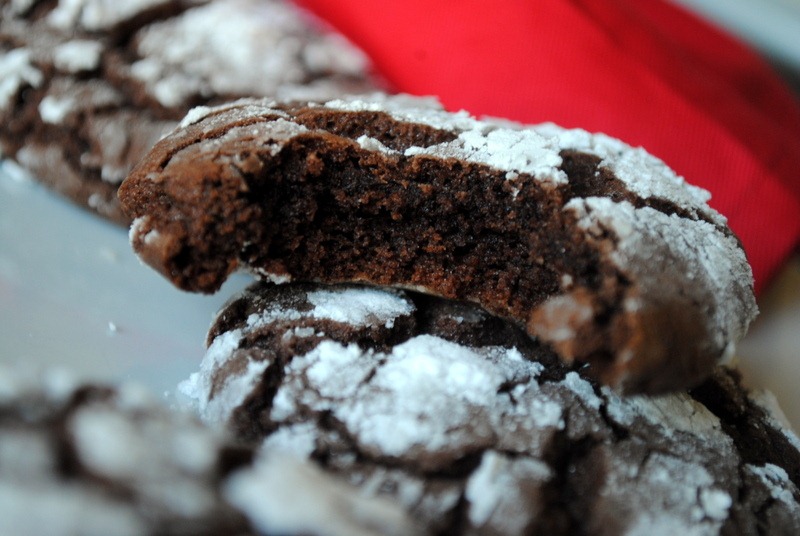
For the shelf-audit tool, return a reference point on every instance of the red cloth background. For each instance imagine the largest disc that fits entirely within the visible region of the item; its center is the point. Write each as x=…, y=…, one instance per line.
x=647, y=72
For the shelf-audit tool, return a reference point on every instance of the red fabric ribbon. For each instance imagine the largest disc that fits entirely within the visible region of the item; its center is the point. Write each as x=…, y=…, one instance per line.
x=649, y=73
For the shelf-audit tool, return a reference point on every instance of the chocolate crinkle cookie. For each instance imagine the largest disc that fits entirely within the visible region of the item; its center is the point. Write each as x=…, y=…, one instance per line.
x=80, y=458
x=473, y=428
x=88, y=86
x=594, y=247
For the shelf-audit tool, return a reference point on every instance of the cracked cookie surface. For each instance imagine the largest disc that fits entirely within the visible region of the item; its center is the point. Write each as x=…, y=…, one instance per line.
x=79, y=458
x=89, y=86
x=474, y=428
x=88, y=459
x=595, y=247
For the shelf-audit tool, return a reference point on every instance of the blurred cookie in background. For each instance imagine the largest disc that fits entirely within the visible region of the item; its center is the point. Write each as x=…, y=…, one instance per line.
x=88, y=87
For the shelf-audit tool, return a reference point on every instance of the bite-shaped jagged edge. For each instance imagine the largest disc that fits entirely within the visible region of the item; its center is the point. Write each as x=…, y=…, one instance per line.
x=681, y=320
x=79, y=458
x=485, y=435
x=598, y=248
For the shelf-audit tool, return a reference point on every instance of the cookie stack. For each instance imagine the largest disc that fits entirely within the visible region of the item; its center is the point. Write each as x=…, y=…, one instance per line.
x=459, y=326
x=493, y=326
x=593, y=247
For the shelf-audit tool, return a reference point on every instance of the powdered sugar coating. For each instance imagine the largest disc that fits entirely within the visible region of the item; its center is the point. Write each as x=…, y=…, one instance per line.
x=642, y=173
x=18, y=382
x=273, y=136
x=371, y=144
x=99, y=460
x=777, y=482
x=78, y=55
x=239, y=47
x=686, y=501
x=425, y=386
x=195, y=115
x=767, y=401
x=583, y=389
x=534, y=149
x=412, y=109
x=673, y=413
x=240, y=110
x=308, y=501
x=66, y=99
x=393, y=420
x=494, y=492
x=19, y=7
x=54, y=109
x=16, y=72
x=70, y=510
x=297, y=440
x=653, y=245
x=94, y=15
x=511, y=150
x=233, y=391
x=113, y=443
x=357, y=306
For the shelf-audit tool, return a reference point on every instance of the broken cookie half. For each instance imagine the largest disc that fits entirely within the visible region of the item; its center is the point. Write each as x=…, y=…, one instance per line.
x=596, y=248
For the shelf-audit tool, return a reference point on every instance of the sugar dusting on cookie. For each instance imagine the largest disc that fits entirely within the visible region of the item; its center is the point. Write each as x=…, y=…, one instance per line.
x=514, y=151
x=309, y=501
x=509, y=433
x=238, y=47
x=96, y=15
x=16, y=72
x=357, y=305
x=78, y=55
x=424, y=386
x=641, y=172
x=104, y=460
x=648, y=239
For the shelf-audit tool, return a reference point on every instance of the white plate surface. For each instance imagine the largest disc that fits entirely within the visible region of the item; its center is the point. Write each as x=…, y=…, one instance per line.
x=72, y=293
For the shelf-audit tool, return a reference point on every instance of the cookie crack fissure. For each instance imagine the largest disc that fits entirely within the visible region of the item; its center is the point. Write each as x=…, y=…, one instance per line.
x=589, y=178
x=755, y=443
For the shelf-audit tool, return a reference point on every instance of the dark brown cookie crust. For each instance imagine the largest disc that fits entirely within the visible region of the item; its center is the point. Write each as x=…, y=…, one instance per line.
x=711, y=461
x=320, y=193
